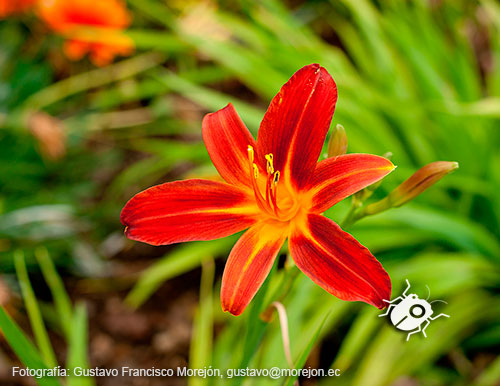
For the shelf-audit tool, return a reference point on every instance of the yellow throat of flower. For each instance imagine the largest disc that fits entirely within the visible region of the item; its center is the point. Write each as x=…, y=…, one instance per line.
x=268, y=202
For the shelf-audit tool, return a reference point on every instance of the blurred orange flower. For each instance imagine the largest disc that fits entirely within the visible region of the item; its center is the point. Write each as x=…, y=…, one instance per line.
x=103, y=41
x=8, y=7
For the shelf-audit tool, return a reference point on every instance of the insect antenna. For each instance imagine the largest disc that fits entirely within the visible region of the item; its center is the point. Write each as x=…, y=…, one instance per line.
x=434, y=301
x=429, y=290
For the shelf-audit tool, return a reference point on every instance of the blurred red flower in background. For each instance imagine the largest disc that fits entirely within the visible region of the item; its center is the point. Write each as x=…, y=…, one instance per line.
x=9, y=7
x=72, y=19
x=276, y=188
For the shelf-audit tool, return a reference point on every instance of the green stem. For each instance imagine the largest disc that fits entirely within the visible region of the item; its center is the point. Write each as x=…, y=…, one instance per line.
x=377, y=207
x=351, y=217
x=287, y=283
x=281, y=292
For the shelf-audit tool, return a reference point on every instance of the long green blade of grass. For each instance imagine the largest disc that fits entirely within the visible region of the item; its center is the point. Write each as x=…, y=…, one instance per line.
x=78, y=347
x=490, y=375
x=56, y=286
x=255, y=327
x=95, y=78
x=301, y=361
x=201, y=342
x=24, y=349
x=34, y=314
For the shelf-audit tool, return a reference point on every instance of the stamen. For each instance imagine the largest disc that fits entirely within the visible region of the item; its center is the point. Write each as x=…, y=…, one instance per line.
x=261, y=202
x=267, y=202
x=250, y=153
x=270, y=166
x=274, y=202
x=274, y=191
x=255, y=171
x=276, y=177
x=268, y=190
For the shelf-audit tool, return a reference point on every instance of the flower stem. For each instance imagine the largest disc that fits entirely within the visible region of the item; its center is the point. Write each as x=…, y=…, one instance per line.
x=351, y=217
x=355, y=213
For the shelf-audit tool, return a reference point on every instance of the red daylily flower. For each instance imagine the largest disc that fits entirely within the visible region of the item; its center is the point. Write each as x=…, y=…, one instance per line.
x=276, y=188
x=73, y=18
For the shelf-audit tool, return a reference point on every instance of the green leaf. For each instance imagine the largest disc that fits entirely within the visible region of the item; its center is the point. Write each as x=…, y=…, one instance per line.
x=78, y=347
x=301, y=361
x=95, y=78
x=490, y=375
x=56, y=286
x=161, y=41
x=24, y=349
x=201, y=342
x=35, y=317
x=456, y=230
x=211, y=99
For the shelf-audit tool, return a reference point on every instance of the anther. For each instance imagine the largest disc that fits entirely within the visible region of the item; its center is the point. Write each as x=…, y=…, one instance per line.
x=270, y=166
x=250, y=153
x=276, y=177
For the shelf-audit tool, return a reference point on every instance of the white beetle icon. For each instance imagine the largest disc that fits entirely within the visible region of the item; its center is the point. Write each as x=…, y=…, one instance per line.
x=411, y=312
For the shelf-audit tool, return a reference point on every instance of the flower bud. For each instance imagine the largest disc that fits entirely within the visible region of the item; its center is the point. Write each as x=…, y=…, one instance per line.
x=337, y=145
x=422, y=179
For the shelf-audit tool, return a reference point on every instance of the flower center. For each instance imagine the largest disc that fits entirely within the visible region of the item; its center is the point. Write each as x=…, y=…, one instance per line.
x=268, y=202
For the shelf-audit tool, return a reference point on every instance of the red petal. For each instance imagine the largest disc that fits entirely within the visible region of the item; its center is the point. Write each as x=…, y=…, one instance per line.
x=337, y=178
x=296, y=123
x=186, y=211
x=338, y=263
x=249, y=264
x=227, y=139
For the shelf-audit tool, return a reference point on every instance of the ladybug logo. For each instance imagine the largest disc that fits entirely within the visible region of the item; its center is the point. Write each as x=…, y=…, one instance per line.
x=410, y=313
